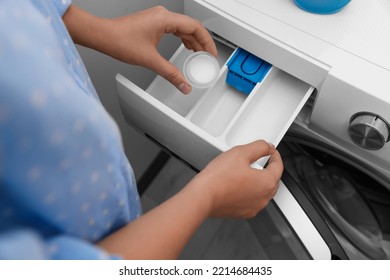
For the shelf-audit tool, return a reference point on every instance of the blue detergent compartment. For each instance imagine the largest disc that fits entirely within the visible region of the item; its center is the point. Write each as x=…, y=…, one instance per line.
x=246, y=70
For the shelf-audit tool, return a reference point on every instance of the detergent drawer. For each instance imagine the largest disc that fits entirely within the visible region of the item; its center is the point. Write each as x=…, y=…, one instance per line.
x=198, y=126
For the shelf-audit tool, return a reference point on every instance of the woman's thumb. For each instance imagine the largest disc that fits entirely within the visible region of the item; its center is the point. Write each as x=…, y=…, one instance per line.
x=171, y=73
x=257, y=149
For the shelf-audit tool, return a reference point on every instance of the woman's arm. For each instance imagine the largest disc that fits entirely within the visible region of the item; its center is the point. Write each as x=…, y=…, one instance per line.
x=228, y=187
x=163, y=232
x=134, y=38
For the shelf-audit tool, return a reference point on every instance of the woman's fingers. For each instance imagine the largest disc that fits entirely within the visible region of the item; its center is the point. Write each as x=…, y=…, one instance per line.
x=186, y=27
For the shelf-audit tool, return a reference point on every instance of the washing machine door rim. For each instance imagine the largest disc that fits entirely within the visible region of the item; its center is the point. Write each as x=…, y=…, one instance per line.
x=337, y=251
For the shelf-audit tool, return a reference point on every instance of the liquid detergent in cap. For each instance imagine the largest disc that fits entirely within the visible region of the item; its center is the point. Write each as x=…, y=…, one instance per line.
x=201, y=69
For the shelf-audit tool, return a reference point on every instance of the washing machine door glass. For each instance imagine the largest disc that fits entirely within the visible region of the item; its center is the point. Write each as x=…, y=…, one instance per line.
x=333, y=191
x=349, y=211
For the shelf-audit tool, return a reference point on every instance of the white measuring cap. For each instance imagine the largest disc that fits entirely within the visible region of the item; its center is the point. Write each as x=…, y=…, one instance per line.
x=201, y=69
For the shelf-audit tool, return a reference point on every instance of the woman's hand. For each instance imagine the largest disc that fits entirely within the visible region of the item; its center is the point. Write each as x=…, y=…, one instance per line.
x=134, y=38
x=228, y=187
x=236, y=189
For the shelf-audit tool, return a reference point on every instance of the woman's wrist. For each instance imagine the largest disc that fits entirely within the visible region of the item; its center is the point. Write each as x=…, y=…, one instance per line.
x=200, y=190
x=86, y=29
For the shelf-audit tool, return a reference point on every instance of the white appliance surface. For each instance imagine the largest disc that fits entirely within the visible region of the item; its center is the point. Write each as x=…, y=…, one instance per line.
x=361, y=28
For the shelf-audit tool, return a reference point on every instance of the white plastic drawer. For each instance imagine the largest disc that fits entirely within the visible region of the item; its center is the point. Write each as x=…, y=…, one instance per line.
x=198, y=126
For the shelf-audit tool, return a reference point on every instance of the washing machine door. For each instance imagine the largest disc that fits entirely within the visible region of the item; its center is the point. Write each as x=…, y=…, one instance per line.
x=333, y=186
x=347, y=209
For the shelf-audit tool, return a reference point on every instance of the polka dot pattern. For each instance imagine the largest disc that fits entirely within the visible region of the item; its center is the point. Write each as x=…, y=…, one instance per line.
x=63, y=172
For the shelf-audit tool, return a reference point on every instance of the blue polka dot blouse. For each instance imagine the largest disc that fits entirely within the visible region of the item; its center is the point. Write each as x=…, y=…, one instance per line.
x=65, y=182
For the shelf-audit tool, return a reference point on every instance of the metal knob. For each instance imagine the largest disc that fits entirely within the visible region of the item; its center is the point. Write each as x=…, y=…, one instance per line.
x=369, y=130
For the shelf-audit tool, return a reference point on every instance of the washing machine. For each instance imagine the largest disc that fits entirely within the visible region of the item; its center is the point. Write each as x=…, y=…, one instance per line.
x=324, y=102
